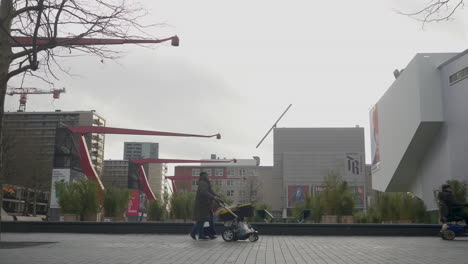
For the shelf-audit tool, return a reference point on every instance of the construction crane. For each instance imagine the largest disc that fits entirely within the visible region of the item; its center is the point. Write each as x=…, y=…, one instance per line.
x=274, y=126
x=23, y=92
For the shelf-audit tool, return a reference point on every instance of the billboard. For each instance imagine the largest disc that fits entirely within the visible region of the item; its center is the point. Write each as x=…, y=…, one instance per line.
x=58, y=175
x=374, y=129
x=133, y=203
x=359, y=196
x=297, y=194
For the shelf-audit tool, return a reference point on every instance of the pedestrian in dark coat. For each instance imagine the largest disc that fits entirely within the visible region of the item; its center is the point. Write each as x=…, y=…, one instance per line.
x=456, y=208
x=202, y=206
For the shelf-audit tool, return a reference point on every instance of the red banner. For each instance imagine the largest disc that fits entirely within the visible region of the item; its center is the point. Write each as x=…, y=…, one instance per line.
x=133, y=203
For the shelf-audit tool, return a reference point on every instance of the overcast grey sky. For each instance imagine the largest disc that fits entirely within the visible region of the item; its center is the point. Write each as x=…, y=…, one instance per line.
x=241, y=63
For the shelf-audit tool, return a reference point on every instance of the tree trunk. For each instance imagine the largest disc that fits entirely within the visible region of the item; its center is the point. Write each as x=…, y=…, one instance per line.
x=26, y=203
x=6, y=11
x=34, y=202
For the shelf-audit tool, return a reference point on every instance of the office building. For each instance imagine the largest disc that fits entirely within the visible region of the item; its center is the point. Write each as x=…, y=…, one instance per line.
x=304, y=156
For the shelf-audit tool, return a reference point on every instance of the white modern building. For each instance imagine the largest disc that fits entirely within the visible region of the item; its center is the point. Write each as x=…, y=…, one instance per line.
x=419, y=128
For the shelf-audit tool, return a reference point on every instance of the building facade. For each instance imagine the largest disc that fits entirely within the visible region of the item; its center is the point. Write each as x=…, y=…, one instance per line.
x=240, y=182
x=304, y=156
x=38, y=130
x=141, y=150
x=115, y=174
x=419, y=127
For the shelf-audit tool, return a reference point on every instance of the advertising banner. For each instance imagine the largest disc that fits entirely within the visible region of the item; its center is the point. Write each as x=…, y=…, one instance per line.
x=297, y=194
x=133, y=203
x=374, y=128
x=359, y=196
x=58, y=175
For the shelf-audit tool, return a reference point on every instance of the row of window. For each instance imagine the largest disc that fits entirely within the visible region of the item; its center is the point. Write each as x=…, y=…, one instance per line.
x=224, y=182
x=219, y=172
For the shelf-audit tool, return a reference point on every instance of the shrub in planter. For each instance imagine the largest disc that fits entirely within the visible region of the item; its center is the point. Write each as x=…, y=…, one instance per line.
x=156, y=210
x=88, y=198
x=115, y=203
x=68, y=200
x=181, y=205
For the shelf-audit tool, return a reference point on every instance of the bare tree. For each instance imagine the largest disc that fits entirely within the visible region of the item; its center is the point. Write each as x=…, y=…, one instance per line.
x=34, y=34
x=436, y=10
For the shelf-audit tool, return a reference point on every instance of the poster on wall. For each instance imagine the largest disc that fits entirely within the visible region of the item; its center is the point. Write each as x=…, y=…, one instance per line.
x=58, y=175
x=375, y=144
x=133, y=203
x=297, y=194
x=359, y=196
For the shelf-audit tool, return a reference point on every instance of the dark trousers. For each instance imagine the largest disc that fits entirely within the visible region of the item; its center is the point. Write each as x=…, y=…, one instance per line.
x=197, y=229
x=210, y=231
x=464, y=215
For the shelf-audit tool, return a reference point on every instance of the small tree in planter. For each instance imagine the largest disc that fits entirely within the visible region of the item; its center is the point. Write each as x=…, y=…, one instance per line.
x=115, y=203
x=88, y=199
x=181, y=205
x=156, y=210
x=68, y=199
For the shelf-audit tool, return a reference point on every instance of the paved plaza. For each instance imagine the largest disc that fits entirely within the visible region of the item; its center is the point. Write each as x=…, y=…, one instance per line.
x=139, y=249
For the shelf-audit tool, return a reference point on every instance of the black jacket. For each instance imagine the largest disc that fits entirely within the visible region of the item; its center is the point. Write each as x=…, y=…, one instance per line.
x=449, y=199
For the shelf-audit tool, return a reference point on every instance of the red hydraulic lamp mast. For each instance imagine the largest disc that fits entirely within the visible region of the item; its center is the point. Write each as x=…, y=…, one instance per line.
x=28, y=41
x=85, y=158
x=144, y=180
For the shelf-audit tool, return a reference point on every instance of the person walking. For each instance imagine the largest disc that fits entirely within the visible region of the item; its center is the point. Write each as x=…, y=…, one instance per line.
x=202, y=206
x=456, y=208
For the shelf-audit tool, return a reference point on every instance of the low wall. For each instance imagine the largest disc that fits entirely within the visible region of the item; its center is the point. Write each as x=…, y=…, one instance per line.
x=184, y=228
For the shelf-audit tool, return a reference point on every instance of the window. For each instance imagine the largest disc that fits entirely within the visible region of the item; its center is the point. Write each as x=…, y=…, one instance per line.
x=208, y=171
x=219, y=172
x=230, y=193
x=194, y=182
x=230, y=172
x=242, y=172
x=230, y=182
x=458, y=76
x=195, y=172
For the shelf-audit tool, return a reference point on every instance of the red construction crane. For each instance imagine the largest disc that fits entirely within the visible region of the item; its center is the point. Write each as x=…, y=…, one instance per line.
x=23, y=92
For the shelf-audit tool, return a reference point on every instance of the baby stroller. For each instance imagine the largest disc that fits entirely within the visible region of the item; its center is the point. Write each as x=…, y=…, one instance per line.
x=235, y=226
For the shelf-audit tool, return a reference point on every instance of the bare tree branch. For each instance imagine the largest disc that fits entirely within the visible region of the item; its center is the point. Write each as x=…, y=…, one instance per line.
x=435, y=11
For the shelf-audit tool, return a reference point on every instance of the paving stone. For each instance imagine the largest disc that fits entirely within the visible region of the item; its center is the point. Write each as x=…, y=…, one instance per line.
x=51, y=248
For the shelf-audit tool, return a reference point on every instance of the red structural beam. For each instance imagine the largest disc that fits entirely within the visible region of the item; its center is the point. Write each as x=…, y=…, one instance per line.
x=113, y=130
x=86, y=164
x=145, y=184
x=147, y=161
x=144, y=180
x=175, y=178
x=22, y=41
x=85, y=158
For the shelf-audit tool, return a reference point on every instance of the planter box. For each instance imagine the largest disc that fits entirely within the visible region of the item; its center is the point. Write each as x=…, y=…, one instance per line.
x=329, y=219
x=114, y=219
x=71, y=217
x=92, y=218
x=347, y=219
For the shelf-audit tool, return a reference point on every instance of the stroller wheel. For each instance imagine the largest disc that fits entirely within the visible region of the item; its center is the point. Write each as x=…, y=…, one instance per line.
x=253, y=237
x=228, y=235
x=448, y=234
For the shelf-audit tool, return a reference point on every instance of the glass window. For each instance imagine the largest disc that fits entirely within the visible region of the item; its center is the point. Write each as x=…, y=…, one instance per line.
x=242, y=172
x=230, y=172
x=219, y=172
x=208, y=171
x=195, y=172
x=230, y=182
x=230, y=192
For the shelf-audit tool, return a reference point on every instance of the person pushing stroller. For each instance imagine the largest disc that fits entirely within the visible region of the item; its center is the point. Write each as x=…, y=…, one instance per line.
x=202, y=211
